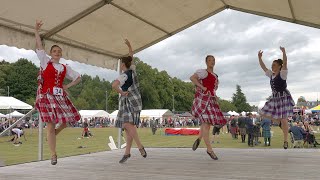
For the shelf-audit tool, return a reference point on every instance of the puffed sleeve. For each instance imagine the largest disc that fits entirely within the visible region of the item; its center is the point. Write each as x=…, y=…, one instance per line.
x=284, y=74
x=71, y=74
x=268, y=73
x=201, y=73
x=44, y=59
x=122, y=79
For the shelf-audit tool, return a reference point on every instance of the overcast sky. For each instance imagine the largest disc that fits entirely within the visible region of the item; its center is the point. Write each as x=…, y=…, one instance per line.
x=234, y=38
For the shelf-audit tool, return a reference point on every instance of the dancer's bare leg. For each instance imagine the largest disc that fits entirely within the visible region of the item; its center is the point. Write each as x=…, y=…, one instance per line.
x=51, y=136
x=205, y=135
x=285, y=129
x=60, y=128
x=129, y=141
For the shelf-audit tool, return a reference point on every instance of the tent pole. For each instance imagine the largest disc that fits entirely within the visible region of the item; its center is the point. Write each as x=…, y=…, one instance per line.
x=40, y=143
x=119, y=129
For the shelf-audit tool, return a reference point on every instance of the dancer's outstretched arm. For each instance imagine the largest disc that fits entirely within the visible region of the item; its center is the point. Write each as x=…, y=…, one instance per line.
x=263, y=66
x=130, y=48
x=37, y=35
x=285, y=60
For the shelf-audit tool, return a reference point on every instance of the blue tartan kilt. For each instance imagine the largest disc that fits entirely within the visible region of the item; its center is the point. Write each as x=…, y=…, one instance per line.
x=266, y=133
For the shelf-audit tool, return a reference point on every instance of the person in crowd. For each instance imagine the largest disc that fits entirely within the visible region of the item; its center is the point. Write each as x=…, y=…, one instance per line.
x=266, y=131
x=234, y=128
x=249, y=127
x=256, y=129
x=298, y=132
x=17, y=133
x=242, y=128
x=216, y=133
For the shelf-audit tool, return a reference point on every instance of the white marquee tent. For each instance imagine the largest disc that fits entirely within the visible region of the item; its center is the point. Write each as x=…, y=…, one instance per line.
x=14, y=114
x=114, y=114
x=156, y=113
x=149, y=113
x=92, y=32
x=12, y=103
x=93, y=113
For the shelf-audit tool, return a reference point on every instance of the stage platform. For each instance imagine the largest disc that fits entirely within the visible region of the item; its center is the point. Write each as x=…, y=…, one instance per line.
x=177, y=164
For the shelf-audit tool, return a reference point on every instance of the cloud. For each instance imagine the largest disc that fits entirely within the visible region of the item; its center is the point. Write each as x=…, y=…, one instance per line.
x=234, y=38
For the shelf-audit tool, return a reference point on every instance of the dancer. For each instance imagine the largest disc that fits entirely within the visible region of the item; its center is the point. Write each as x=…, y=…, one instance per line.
x=205, y=106
x=52, y=101
x=128, y=117
x=280, y=106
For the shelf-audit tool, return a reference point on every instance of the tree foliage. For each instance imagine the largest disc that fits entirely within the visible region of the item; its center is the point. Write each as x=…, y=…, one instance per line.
x=158, y=89
x=239, y=100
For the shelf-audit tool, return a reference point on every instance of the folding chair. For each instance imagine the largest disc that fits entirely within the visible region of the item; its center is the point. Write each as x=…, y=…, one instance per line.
x=296, y=143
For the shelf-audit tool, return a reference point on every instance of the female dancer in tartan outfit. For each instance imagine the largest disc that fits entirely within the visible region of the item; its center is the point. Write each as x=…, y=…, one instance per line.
x=280, y=106
x=205, y=106
x=52, y=101
x=130, y=102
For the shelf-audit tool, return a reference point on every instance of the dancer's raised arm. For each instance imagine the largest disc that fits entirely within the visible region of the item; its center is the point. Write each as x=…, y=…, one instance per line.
x=263, y=66
x=37, y=35
x=284, y=58
x=130, y=48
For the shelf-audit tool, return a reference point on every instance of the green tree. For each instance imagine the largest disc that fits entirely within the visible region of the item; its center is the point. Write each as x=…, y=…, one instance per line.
x=226, y=106
x=22, y=79
x=239, y=100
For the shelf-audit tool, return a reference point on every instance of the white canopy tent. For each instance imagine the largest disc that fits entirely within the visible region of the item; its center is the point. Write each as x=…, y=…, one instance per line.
x=12, y=103
x=114, y=114
x=92, y=32
x=15, y=114
x=156, y=113
x=93, y=113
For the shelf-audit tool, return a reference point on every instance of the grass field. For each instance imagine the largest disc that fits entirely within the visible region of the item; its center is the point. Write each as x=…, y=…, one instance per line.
x=68, y=143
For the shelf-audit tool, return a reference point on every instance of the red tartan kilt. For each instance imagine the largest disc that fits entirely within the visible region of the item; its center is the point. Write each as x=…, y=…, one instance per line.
x=206, y=108
x=57, y=109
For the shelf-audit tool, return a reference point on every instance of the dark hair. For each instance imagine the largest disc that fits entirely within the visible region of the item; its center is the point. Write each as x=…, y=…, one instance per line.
x=208, y=57
x=127, y=61
x=279, y=62
x=54, y=47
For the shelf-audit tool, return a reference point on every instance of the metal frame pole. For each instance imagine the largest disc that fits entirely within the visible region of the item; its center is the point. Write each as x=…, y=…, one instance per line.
x=40, y=143
x=119, y=129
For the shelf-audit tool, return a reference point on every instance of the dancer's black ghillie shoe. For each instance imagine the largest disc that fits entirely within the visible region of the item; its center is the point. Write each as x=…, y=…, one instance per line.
x=212, y=155
x=125, y=158
x=143, y=152
x=196, y=144
x=54, y=160
x=285, y=145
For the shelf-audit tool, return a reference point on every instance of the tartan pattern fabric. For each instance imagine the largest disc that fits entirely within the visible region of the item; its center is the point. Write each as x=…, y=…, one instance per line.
x=279, y=106
x=206, y=109
x=266, y=133
x=243, y=131
x=57, y=109
x=130, y=106
x=52, y=108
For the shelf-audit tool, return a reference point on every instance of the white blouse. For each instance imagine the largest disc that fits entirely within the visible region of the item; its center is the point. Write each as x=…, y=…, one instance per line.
x=44, y=59
x=202, y=73
x=283, y=74
x=123, y=77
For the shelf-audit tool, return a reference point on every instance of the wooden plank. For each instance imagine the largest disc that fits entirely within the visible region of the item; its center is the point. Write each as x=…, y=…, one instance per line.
x=176, y=163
